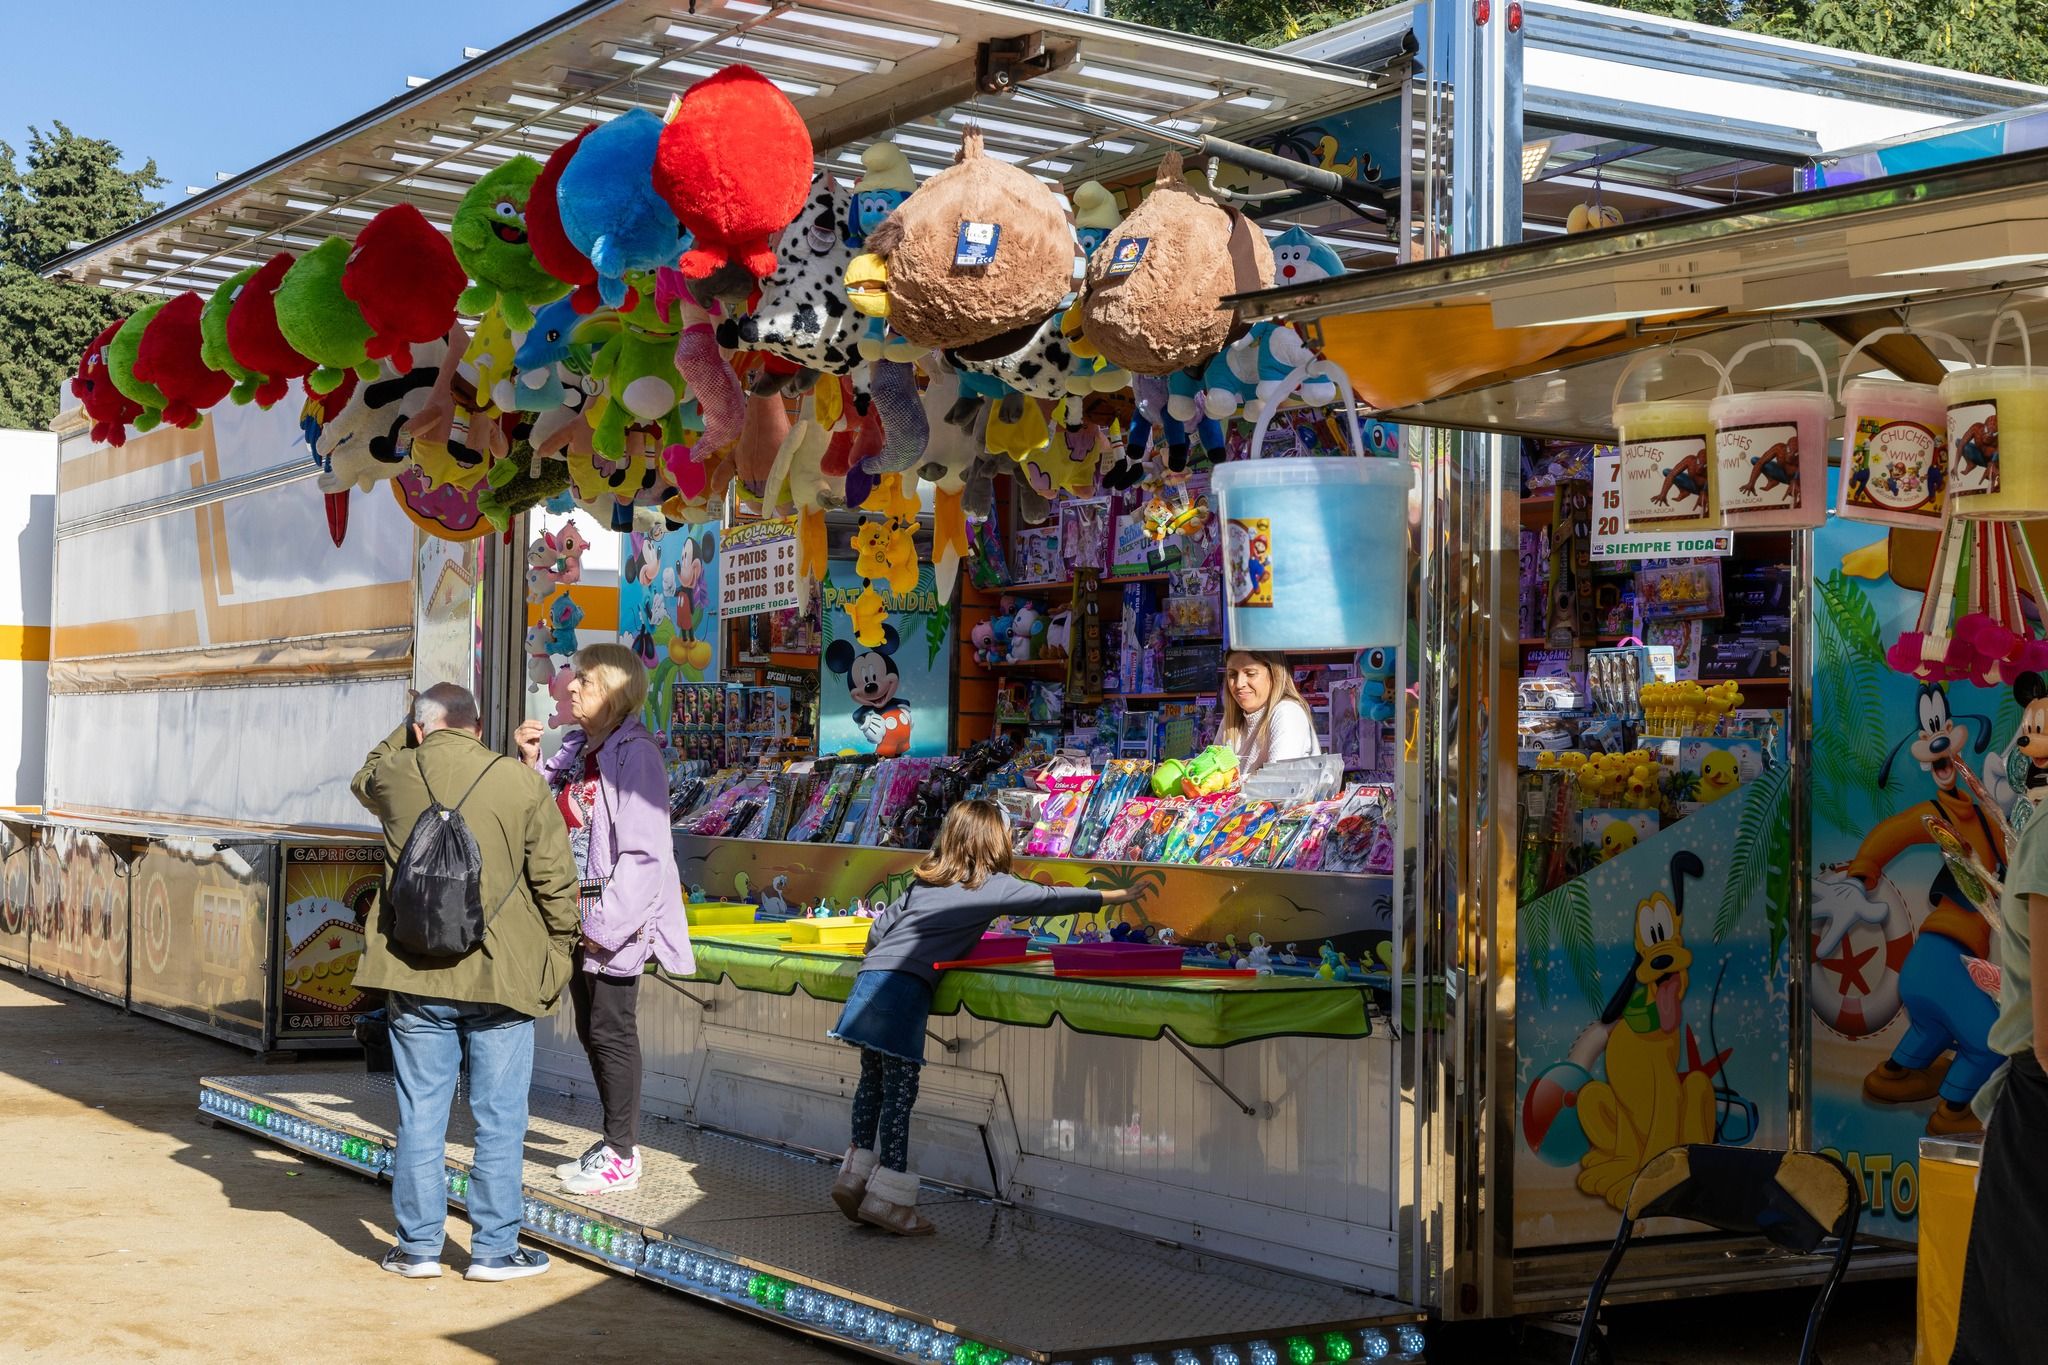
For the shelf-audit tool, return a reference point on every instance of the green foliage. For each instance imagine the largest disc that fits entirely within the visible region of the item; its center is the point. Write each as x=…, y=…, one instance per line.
x=68, y=189
x=1564, y=917
x=1752, y=863
x=2007, y=38
x=1849, y=745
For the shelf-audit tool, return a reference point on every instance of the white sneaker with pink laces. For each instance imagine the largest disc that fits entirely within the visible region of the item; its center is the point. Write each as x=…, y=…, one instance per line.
x=610, y=1173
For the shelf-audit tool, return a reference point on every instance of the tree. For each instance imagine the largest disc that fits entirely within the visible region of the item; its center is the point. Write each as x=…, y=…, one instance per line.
x=2007, y=38
x=70, y=189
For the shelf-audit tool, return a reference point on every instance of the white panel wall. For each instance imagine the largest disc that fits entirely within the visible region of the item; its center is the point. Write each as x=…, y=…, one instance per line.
x=28, y=513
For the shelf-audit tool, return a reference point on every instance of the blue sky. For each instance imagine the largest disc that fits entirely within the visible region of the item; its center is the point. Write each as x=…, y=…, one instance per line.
x=222, y=85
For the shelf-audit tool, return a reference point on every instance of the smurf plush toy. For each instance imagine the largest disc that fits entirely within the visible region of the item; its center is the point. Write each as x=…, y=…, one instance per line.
x=490, y=240
x=320, y=320
x=609, y=207
x=404, y=277
x=254, y=338
x=735, y=166
x=882, y=187
x=110, y=409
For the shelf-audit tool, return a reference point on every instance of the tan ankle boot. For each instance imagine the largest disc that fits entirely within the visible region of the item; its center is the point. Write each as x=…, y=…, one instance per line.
x=852, y=1185
x=891, y=1204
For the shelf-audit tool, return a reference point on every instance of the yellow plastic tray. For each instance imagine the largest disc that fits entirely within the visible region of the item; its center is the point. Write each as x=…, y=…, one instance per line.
x=719, y=912
x=830, y=930
x=757, y=929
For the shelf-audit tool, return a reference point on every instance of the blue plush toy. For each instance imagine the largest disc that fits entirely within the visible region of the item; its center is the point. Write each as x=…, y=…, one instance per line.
x=1376, y=697
x=545, y=348
x=609, y=208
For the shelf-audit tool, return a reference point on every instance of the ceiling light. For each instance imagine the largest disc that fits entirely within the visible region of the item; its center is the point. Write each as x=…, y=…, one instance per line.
x=1534, y=154
x=887, y=33
x=795, y=89
x=1611, y=296
x=749, y=42
x=1141, y=80
x=1059, y=137
x=1626, y=190
x=1949, y=244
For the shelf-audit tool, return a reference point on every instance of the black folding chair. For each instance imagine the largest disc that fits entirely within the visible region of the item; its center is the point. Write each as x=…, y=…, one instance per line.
x=1797, y=1200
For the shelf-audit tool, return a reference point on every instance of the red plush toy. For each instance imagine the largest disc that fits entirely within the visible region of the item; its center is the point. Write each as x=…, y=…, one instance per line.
x=551, y=246
x=254, y=340
x=169, y=358
x=734, y=165
x=404, y=276
x=110, y=409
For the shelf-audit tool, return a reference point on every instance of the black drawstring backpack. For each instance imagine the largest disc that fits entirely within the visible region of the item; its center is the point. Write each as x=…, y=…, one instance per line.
x=436, y=891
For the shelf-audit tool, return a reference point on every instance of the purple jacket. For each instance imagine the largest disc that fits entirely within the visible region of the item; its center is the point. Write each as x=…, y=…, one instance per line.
x=631, y=844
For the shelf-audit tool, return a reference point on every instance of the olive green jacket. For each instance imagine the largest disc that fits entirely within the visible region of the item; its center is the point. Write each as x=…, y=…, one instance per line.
x=525, y=959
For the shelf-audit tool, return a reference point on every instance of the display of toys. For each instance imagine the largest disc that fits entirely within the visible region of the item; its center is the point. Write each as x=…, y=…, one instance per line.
x=1211, y=771
x=1687, y=708
x=1631, y=781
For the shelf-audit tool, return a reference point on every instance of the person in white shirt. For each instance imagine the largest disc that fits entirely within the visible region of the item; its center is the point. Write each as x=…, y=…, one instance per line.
x=1264, y=718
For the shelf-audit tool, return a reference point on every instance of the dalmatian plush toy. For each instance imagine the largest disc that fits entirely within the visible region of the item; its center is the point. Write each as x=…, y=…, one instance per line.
x=1036, y=369
x=803, y=315
x=366, y=441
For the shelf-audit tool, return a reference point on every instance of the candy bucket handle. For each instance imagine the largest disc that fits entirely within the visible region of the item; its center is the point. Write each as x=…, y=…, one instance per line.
x=1856, y=350
x=1727, y=383
x=2026, y=343
x=1630, y=368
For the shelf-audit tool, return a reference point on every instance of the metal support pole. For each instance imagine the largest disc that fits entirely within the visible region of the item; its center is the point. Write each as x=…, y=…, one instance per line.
x=699, y=1001
x=1214, y=1079
x=950, y=1044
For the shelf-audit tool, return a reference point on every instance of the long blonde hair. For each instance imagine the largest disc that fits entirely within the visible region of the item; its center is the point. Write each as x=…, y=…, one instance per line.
x=1233, y=733
x=973, y=845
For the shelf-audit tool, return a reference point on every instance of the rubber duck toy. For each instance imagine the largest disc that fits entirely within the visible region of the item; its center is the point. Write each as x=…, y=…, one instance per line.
x=1332, y=963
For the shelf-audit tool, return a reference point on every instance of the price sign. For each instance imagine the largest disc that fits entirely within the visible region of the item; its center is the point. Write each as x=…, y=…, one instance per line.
x=757, y=564
x=1611, y=542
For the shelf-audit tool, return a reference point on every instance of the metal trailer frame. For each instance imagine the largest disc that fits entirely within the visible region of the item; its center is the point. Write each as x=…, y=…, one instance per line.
x=1465, y=102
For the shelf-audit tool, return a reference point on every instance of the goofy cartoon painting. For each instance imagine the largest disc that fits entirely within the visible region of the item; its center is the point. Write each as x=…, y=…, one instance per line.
x=1945, y=1011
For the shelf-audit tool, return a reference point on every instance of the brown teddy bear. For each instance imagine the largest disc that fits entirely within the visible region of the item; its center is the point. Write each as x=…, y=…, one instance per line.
x=1156, y=285
x=912, y=273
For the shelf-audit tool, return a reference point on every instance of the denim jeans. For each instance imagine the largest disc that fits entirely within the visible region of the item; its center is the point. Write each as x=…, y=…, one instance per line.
x=428, y=1039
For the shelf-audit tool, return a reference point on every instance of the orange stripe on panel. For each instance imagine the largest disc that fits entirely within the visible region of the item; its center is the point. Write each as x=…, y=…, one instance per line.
x=24, y=644
x=174, y=630
x=165, y=445
x=600, y=608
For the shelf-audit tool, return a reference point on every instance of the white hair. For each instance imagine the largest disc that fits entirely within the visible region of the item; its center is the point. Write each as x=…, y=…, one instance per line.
x=445, y=706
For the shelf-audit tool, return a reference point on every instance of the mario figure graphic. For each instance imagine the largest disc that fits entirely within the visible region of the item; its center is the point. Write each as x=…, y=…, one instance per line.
x=1945, y=1010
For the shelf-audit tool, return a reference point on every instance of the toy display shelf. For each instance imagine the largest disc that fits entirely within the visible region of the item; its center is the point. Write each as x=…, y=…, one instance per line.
x=1103, y=583
x=748, y=1227
x=1199, y=1010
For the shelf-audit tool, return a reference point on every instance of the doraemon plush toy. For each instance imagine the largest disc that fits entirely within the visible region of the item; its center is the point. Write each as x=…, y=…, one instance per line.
x=609, y=208
x=872, y=679
x=1299, y=256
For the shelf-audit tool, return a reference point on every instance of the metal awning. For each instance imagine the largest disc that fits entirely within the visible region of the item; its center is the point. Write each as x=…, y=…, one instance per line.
x=1531, y=338
x=854, y=68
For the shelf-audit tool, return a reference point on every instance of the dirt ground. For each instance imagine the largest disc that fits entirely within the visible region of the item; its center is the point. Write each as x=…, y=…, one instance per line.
x=133, y=1232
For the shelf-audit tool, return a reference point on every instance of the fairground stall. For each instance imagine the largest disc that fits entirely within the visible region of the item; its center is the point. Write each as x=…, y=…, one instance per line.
x=909, y=480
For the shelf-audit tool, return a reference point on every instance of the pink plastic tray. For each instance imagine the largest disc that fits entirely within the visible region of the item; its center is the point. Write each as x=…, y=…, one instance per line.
x=1115, y=957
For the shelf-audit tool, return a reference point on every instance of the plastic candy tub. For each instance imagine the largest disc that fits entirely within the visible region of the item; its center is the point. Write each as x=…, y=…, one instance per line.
x=1315, y=551
x=709, y=913
x=1115, y=957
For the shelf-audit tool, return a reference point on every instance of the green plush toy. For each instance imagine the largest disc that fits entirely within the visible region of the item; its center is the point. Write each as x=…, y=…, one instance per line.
x=121, y=353
x=1211, y=771
x=489, y=237
x=636, y=360
x=213, y=328
x=321, y=322
x=518, y=482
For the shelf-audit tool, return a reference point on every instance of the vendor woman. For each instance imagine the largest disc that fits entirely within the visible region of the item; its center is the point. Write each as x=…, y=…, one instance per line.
x=1264, y=718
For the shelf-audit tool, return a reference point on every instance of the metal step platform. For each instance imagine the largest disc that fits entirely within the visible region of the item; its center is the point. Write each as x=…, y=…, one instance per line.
x=751, y=1227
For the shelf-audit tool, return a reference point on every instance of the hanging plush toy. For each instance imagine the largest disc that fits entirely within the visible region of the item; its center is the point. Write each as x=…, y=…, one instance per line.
x=110, y=409
x=1096, y=216
x=905, y=432
x=404, y=277
x=1591, y=218
x=366, y=441
x=803, y=315
x=609, y=207
x=1156, y=285
x=256, y=341
x=735, y=166
x=490, y=240
x=121, y=354
x=213, y=332
x=1034, y=362
x=320, y=320
x=553, y=252
x=720, y=400
x=492, y=355
x=883, y=186
x=981, y=249
x=169, y=358
x=761, y=438
x=635, y=359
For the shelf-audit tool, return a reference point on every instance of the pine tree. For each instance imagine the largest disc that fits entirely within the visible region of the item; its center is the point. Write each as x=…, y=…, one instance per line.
x=69, y=189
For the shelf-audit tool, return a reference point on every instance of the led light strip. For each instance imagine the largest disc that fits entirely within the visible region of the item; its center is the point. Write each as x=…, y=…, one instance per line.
x=691, y=1270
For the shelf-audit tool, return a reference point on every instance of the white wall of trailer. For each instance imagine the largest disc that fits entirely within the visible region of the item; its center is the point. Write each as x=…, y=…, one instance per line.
x=28, y=513
x=184, y=558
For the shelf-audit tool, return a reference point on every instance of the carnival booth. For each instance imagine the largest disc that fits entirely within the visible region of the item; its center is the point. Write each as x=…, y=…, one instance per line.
x=950, y=451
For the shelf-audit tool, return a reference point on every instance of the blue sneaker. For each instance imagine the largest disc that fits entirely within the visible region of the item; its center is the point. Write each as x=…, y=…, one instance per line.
x=523, y=1262
x=412, y=1267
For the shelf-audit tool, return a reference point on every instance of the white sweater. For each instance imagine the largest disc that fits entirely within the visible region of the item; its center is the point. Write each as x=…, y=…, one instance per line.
x=1291, y=735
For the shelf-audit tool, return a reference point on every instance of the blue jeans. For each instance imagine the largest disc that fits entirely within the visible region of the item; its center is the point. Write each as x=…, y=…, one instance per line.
x=428, y=1038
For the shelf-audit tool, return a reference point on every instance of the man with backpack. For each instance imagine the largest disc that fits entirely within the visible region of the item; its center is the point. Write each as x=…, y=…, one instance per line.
x=472, y=940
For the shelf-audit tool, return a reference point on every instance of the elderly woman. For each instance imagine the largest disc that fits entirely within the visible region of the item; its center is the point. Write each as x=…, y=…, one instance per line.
x=612, y=789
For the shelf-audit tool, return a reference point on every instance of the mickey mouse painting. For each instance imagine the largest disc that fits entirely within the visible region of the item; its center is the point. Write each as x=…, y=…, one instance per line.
x=871, y=680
